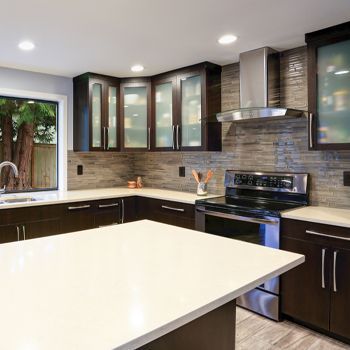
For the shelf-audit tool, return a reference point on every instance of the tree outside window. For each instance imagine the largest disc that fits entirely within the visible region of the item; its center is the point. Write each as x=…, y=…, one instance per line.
x=28, y=138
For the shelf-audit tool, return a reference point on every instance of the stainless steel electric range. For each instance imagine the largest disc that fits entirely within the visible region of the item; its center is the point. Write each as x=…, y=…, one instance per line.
x=251, y=211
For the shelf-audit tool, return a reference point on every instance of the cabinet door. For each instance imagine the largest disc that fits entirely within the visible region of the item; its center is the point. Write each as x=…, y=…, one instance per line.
x=329, y=87
x=189, y=134
x=305, y=289
x=9, y=233
x=96, y=112
x=135, y=100
x=163, y=98
x=77, y=217
x=340, y=293
x=42, y=228
x=107, y=212
x=111, y=127
x=128, y=209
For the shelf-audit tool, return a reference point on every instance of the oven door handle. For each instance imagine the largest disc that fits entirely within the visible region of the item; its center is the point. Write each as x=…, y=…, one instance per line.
x=237, y=217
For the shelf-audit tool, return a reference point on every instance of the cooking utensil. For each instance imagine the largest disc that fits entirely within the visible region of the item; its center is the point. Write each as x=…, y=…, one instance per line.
x=195, y=175
x=209, y=176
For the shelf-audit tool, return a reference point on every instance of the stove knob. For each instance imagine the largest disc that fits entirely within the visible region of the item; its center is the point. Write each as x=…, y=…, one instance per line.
x=250, y=182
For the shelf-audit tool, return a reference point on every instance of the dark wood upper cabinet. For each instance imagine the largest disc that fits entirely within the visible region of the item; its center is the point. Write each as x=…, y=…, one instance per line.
x=96, y=113
x=135, y=101
x=173, y=111
x=189, y=123
x=329, y=87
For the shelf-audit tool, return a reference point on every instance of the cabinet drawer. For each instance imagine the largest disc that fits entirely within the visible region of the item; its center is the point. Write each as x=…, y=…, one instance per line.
x=326, y=234
x=107, y=212
x=168, y=212
x=77, y=216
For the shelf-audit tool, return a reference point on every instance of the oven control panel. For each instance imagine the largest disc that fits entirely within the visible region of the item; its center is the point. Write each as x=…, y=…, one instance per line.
x=270, y=181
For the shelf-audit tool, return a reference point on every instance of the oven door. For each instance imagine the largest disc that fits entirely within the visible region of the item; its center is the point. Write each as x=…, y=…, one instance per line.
x=263, y=231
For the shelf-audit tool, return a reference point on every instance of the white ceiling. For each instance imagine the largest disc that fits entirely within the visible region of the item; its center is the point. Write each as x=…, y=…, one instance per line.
x=108, y=36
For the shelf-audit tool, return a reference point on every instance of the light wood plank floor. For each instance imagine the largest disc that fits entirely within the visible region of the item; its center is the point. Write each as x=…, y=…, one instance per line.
x=254, y=332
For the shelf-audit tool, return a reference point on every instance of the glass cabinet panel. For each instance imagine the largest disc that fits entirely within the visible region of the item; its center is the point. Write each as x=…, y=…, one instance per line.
x=112, y=117
x=191, y=134
x=96, y=114
x=135, y=117
x=164, y=115
x=333, y=95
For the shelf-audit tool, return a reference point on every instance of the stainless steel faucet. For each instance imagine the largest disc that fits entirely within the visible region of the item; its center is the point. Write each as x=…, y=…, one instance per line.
x=14, y=168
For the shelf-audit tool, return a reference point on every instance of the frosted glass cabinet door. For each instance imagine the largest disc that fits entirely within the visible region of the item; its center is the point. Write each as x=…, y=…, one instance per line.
x=164, y=115
x=96, y=114
x=135, y=117
x=333, y=95
x=112, y=117
x=191, y=133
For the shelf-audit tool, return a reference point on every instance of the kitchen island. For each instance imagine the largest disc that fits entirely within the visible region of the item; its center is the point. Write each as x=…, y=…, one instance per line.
x=126, y=286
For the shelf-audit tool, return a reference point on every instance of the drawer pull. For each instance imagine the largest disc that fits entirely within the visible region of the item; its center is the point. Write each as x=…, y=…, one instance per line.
x=24, y=232
x=108, y=205
x=335, y=271
x=314, y=233
x=323, y=257
x=80, y=207
x=17, y=233
x=174, y=209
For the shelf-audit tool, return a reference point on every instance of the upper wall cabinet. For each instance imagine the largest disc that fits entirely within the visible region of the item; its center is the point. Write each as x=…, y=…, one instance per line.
x=185, y=103
x=96, y=113
x=135, y=115
x=329, y=87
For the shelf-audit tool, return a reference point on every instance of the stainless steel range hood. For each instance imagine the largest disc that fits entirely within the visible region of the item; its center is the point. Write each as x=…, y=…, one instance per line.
x=259, y=88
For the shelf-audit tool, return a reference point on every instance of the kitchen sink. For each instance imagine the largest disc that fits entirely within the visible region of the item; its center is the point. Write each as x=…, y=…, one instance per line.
x=17, y=200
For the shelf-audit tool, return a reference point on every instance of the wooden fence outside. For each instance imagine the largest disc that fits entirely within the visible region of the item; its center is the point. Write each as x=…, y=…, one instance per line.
x=44, y=166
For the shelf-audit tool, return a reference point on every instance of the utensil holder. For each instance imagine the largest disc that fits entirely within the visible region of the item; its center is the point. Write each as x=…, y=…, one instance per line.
x=202, y=189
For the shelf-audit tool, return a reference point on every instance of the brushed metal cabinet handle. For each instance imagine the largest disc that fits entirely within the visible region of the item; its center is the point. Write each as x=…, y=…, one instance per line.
x=108, y=205
x=24, y=232
x=104, y=138
x=311, y=143
x=314, y=233
x=149, y=138
x=173, y=136
x=122, y=221
x=177, y=136
x=172, y=208
x=107, y=133
x=323, y=259
x=17, y=227
x=80, y=207
x=335, y=254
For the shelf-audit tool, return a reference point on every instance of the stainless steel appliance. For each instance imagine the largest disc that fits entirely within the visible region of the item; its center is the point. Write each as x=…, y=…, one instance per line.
x=259, y=89
x=250, y=211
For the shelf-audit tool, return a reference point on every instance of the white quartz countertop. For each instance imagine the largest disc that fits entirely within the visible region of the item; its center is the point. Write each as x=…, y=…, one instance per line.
x=57, y=197
x=123, y=286
x=321, y=215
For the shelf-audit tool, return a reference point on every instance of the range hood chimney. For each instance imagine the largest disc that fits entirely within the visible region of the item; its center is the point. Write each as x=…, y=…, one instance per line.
x=259, y=88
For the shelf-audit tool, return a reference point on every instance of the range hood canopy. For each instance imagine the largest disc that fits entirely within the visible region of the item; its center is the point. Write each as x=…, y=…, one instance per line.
x=259, y=88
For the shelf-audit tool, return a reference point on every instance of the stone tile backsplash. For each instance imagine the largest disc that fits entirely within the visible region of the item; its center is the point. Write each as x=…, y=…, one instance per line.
x=265, y=145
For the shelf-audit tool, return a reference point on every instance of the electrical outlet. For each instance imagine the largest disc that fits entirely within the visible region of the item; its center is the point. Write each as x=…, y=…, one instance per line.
x=182, y=172
x=80, y=170
x=346, y=178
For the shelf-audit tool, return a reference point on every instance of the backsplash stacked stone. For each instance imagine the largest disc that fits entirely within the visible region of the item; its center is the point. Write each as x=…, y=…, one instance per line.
x=276, y=145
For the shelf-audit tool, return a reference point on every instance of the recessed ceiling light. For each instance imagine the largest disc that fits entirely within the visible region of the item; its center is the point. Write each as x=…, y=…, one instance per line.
x=227, y=39
x=26, y=45
x=137, y=68
x=341, y=72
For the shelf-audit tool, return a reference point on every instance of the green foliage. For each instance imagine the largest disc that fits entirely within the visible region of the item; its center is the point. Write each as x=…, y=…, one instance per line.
x=41, y=114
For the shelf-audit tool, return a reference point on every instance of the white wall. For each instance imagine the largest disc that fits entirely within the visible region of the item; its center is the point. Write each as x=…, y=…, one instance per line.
x=50, y=84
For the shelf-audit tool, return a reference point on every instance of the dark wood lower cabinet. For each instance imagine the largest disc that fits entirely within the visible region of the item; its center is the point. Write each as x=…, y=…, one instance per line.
x=340, y=293
x=167, y=212
x=39, y=221
x=317, y=293
x=212, y=331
